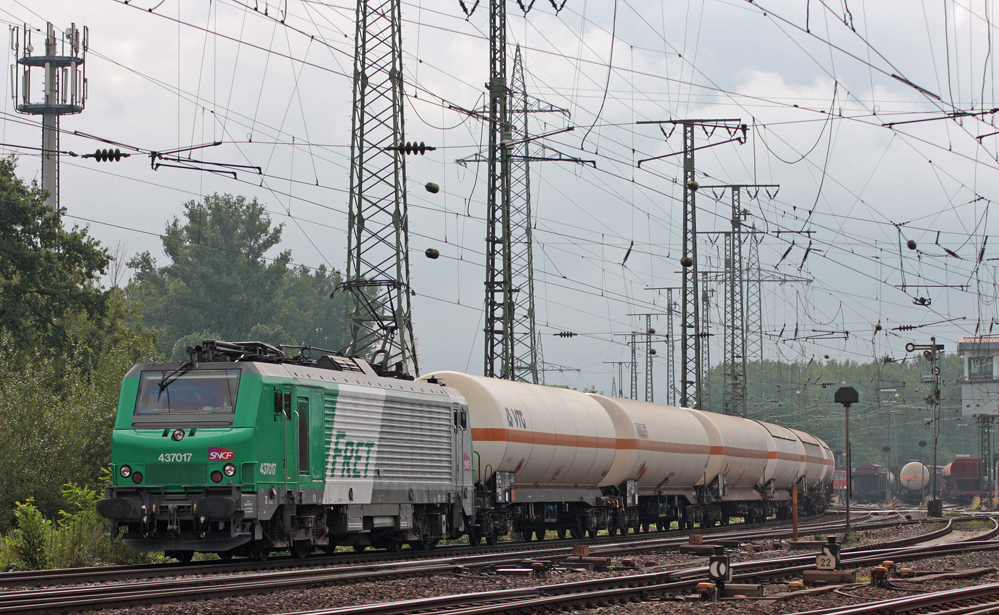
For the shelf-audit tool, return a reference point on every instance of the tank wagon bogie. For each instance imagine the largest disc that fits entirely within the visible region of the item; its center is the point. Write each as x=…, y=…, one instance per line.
x=243, y=450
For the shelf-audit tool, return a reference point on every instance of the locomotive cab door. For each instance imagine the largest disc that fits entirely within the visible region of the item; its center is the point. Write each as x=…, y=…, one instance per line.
x=462, y=445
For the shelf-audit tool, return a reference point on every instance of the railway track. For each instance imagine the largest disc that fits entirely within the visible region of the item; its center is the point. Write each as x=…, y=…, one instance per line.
x=976, y=600
x=550, y=548
x=158, y=591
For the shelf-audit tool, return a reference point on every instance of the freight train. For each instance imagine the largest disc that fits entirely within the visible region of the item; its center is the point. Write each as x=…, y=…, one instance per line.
x=961, y=480
x=244, y=449
x=872, y=483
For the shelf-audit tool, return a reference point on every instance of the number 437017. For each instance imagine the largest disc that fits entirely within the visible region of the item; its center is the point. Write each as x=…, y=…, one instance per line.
x=174, y=457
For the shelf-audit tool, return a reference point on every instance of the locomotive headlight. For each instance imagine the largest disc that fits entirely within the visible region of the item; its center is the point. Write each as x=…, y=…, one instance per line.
x=230, y=470
x=216, y=476
x=125, y=471
x=178, y=435
x=137, y=477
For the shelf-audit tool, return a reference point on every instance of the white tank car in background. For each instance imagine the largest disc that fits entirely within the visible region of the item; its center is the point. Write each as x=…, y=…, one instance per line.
x=914, y=479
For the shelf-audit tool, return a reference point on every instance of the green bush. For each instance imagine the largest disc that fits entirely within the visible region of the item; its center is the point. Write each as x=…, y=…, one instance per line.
x=28, y=543
x=79, y=538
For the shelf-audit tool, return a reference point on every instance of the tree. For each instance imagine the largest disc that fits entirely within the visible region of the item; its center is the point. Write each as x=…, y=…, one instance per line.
x=46, y=272
x=220, y=283
x=64, y=346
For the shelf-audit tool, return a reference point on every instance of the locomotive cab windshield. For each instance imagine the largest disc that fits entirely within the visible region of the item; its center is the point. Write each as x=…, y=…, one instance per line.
x=206, y=397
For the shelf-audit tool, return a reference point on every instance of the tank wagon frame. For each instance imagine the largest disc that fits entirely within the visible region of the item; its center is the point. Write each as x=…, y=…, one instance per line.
x=243, y=450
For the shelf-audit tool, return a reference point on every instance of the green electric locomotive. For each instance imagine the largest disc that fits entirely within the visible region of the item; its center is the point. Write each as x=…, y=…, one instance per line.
x=242, y=450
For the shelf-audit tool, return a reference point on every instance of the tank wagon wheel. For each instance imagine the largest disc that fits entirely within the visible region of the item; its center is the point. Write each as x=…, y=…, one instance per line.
x=561, y=532
x=362, y=548
x=474, y=539
x=393, y=546
x=526, y=536
x=261, y=554
x=300, y=549
x=183, y=557
x=330, y=547
x=225, y=555
x=492, y=539
x=624, y=530
x=424, y=544
x=591, y=533
x=541, y=534
x=576, y=532
x=646, y=528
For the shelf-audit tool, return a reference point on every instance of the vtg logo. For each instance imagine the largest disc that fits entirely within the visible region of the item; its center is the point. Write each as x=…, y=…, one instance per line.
x=515, y=418
x=217, y=453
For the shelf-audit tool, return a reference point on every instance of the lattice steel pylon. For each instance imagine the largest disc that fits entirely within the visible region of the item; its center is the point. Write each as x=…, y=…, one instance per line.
x=736, y=296
x=670, y=354
x=691, y=361
x=377, y=278
x=526, y=346
x=985, y=422
x=754, y=312
x=504, y=270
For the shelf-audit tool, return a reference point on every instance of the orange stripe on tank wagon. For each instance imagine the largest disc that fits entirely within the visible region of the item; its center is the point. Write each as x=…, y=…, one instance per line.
x=541, y=438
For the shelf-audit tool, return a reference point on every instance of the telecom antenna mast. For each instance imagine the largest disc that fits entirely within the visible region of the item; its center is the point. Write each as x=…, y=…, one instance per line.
x=63, y=89
x=379, y=321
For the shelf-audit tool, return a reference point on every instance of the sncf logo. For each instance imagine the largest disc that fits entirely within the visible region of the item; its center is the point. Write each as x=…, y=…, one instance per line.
x=217, y=453
x=467, y=465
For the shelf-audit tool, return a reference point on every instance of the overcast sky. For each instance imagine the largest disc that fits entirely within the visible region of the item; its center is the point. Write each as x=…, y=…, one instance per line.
x=816, y=82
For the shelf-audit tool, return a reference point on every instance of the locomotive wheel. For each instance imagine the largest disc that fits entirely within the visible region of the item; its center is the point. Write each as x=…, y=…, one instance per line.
x=576, y=532
x=393, y=546
x=360, y=548
x=560, y=532
x=591, y=533
x=645, y=528
x=300, y=549
x=540, y=534
x=662, y=526
x=624, y=530
x=612, y=531
x=492, y=539
x=527, y=536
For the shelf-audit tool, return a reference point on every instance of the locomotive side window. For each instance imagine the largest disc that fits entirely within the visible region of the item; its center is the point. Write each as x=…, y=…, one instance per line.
x=303, y=435
x=193, y=392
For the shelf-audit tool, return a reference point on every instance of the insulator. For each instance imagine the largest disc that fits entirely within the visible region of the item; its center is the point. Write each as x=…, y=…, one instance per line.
x=432, y=188
x=432, y=253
